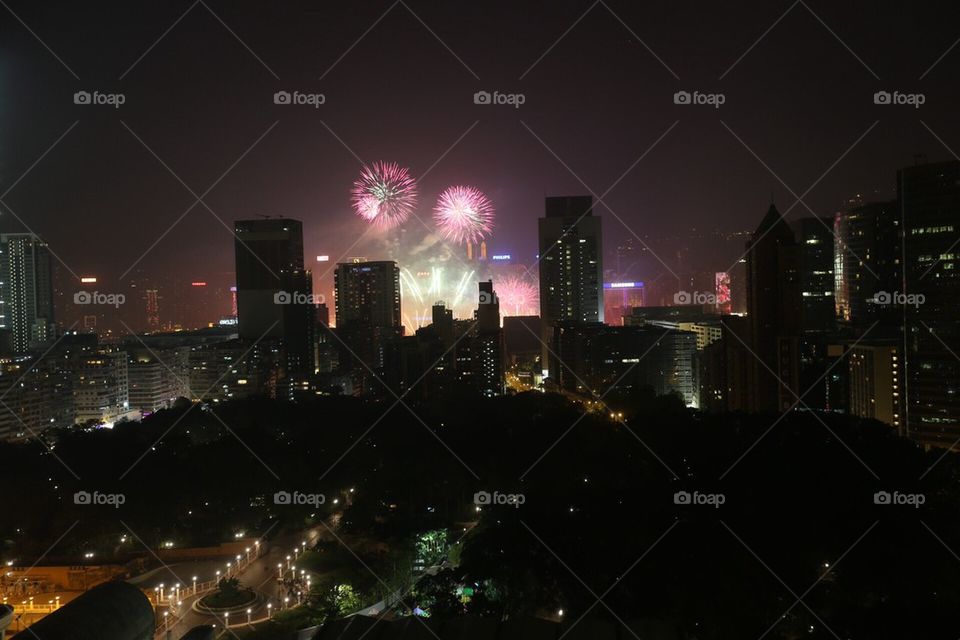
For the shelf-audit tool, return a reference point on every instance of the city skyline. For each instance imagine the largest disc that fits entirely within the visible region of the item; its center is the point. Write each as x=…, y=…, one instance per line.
x=412, y=318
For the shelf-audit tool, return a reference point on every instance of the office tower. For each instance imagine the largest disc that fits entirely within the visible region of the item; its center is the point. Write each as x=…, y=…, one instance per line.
x=571, y=267
x=596, y=357
x=152, y=299
x=929, y=199
x=367, y=293
x=773, y=311
x=866, y=262
x=488, y=343
x=265, y=249
x=367, y=304
x=816, y=263
x=26, y=291
x=876, y=382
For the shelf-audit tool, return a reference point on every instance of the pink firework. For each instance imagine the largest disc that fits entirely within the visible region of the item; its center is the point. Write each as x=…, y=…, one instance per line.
x=463, y=214
x=384, y=194
x=518, y=296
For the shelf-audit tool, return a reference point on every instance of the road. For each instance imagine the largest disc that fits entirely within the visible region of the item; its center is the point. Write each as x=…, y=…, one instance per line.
x=260, y=576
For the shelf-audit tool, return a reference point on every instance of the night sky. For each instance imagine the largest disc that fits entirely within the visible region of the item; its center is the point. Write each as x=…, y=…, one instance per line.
x=201, y=97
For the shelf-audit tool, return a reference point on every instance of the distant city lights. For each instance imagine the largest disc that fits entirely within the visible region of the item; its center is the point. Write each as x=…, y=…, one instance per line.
x=88, y=280
x=323, y=258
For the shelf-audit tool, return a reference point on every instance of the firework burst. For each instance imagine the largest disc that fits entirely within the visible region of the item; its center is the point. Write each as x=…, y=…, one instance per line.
x=463, y=214
x=518, y=296
x=384, y=194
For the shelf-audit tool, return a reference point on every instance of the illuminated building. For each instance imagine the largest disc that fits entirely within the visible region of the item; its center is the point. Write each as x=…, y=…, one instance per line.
x=866, y=261
x=619, y=298
x=721, y=285
x=488, y=343
x=152, y=298
x=571, y=267
x=367, y=293
x=155, y=380
x=26, y=291
x=367, y=303
x=929, y=198
x=876, y=383
x=597, y=356
x=100, y=389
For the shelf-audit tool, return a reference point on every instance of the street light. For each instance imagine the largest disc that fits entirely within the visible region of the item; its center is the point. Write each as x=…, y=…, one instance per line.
x=269, y=607
x=226, y=620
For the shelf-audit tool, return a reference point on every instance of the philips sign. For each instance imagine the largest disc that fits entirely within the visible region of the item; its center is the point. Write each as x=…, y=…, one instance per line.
x=501, y=257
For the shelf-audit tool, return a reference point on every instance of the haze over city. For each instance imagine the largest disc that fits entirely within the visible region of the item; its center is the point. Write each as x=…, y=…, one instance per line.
x=588, y=318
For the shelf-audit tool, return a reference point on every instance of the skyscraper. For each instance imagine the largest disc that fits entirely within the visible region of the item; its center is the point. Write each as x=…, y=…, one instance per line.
x=571, y=265
x=488, y=343
x=26, y=291
x=866, y=261
x=368, y=318
x=367, y=293
x=265, y=249
x=773, y=312
x=929, y=199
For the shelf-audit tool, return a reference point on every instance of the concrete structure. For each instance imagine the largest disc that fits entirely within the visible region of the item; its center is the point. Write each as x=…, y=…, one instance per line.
x=26, y=291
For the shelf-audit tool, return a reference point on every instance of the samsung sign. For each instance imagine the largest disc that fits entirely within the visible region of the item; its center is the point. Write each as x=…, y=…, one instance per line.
x=622, y=285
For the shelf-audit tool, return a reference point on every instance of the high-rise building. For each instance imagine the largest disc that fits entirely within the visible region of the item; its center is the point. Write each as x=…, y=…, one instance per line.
x=773, y=311
x=876, y=382
x=101, y=394
x=265, y=249
x=866, y=262
x=488, y=344
x=152, y=298
x=367, y=293
x=571, y=268
x=929, y=202
x=571, y=265
x=367, y=303
x=26, y=291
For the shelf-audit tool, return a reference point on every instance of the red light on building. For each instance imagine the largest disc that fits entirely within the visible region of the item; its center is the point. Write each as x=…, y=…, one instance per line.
x=198, y=284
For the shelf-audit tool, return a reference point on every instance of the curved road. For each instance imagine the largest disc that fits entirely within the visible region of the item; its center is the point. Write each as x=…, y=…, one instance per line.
x=260, y=576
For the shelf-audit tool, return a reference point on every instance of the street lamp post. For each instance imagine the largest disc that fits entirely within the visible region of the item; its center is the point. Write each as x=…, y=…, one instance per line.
x=248, y=616
x=194, y=585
